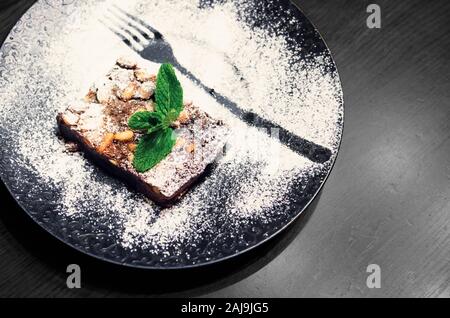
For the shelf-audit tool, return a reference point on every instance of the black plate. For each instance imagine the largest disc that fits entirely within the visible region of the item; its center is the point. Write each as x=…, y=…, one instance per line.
x=83, y=233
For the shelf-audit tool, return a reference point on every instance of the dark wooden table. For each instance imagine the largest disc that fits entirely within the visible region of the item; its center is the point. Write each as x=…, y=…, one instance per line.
x=387, y=201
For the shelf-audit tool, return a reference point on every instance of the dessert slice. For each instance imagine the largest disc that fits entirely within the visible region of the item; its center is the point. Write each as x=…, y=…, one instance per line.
x=100, y=127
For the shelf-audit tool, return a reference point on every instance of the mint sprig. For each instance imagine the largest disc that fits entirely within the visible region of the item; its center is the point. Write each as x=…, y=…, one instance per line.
x=159, y=138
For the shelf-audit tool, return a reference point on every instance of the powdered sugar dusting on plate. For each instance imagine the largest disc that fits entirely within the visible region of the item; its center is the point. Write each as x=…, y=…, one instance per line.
x=254, y=66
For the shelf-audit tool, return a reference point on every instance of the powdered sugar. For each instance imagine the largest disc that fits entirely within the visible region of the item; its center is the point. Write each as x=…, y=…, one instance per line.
x=254, y=66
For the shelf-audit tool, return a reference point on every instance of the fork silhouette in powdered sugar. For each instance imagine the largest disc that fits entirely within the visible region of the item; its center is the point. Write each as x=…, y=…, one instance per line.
x=150, y=44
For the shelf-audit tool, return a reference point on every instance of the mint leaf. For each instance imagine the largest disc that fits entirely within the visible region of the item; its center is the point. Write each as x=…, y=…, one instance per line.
x=145, y=120
x=153, y=148
x=159, y=139
x=169, y=93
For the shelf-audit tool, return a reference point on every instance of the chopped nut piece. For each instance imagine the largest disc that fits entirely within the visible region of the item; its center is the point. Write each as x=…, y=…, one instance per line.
x=128, y=93
x=145, y=90
x=180, y=142
x=142, y=75
x=190, y=148
x=131, y=157
x=119, y=77
x=142, y=93
x=105, y=91
x=132, y=147
x=127, y=135
x=126, y=63
x=114, y=162
x=184, y=117
x=107, y=141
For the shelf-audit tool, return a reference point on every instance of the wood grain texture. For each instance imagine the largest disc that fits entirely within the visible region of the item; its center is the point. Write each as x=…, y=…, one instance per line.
x=387, y=201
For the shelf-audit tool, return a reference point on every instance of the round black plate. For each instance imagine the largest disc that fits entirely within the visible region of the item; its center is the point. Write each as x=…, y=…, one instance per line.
x=36, y=195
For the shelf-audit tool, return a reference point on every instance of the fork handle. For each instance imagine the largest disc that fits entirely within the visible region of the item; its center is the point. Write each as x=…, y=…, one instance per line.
x=306, y=148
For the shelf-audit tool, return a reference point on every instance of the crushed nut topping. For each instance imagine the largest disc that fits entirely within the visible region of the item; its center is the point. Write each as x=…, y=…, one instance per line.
x=126, y=63
x=107, y=141
x=127, y=135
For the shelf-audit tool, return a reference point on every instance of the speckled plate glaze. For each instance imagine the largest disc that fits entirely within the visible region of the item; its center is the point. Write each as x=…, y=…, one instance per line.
x=19, y=58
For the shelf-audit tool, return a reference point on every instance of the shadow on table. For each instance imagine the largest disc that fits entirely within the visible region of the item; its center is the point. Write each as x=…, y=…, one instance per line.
x=114, y=280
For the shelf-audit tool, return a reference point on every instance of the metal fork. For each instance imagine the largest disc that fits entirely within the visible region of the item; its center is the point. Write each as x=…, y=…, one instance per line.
x=150, y=44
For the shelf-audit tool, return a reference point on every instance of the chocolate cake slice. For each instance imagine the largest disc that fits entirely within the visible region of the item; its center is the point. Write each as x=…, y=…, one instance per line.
x=99, y=127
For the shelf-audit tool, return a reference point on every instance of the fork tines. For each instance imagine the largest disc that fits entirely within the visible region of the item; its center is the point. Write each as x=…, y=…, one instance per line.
x=133, y=31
